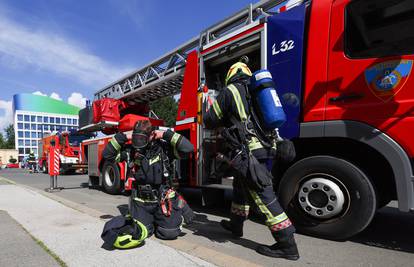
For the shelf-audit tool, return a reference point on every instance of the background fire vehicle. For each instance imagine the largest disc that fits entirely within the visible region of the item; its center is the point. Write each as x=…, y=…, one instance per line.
x=68, y=144
x=343, y=71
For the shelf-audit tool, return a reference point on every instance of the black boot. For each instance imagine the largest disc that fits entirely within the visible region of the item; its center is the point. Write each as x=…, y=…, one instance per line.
x=235, y=229
x=282, y=249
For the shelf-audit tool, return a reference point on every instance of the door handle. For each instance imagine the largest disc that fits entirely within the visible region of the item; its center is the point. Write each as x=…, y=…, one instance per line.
x=345, y=97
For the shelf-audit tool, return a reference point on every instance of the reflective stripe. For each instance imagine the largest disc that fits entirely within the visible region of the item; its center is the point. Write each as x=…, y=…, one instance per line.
x=278, y=219
x=115, y=144
x=239, y=103
x=263, y=208
x=118, y=157
x=174, y=140
x=171, y=194
x=254, y=144
x=145, y=201
x=240, y=207
x=144, y=230
x=154, y=160
x=217, y=110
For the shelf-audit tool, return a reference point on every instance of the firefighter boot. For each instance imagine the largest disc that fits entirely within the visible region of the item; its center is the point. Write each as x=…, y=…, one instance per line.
x=284, y=248
x=235, y=225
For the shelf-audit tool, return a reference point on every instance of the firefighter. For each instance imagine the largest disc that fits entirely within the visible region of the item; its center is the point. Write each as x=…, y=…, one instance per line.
x=154, y=205
x=252, y=160
x=31, y=159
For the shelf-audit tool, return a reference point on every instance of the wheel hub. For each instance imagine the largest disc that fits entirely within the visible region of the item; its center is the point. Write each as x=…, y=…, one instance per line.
x=109, y=176
x=321, y=198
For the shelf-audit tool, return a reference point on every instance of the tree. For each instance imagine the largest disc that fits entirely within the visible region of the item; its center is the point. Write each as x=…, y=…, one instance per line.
x=2, y=142
x=9, y=143
x=166, y=109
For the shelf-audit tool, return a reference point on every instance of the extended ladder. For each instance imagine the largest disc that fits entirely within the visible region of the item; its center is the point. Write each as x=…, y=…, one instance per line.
x=164, y=76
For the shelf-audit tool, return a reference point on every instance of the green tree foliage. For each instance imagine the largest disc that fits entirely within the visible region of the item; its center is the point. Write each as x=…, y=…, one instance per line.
x=7, y=143
x=166, y=109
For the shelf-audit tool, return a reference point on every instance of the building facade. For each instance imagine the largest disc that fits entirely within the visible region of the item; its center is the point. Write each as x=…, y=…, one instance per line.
x=36, y=115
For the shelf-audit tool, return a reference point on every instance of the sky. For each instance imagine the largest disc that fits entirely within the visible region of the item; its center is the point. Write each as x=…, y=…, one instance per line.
x=68, y=49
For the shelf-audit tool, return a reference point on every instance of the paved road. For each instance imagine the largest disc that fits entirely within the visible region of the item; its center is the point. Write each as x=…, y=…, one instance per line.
x=388, y=241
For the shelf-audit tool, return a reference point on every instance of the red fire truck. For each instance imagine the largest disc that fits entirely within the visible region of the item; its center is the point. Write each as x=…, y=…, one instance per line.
x=343, y=71
x=68, y=144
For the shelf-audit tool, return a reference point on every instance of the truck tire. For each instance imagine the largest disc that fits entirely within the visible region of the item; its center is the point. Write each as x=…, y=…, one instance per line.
x=44, y=167
x=327, y=197
x=111, y=179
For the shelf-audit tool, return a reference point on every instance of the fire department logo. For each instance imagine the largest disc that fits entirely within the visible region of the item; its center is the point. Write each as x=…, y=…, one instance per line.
x=386, y=79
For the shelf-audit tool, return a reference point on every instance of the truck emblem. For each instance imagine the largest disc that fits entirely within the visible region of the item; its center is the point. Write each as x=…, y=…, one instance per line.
x=387, y=78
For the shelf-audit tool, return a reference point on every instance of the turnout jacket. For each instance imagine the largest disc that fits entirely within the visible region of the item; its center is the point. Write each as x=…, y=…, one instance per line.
x=155, y=166
x=232, y=101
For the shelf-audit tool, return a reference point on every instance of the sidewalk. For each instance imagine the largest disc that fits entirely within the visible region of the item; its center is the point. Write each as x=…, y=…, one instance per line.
x=75, y=236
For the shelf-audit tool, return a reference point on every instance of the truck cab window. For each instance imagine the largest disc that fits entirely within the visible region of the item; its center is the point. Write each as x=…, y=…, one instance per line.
x=379, y=28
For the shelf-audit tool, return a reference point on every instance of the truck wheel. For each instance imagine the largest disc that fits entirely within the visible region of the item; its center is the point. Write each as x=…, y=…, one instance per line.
x=44, y=167
x=111, y=178
x=327, y=197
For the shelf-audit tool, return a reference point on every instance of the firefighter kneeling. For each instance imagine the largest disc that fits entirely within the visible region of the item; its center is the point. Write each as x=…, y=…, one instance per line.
x=154, y=205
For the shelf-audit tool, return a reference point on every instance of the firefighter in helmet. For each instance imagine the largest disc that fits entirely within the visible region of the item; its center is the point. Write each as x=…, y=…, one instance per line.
x=154, y=205
x=31, y=160
x=252, y=181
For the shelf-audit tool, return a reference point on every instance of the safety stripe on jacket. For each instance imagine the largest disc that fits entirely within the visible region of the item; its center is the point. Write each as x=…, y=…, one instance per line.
x=217, y=110
x=154, y=160
x=174, y=140
x=271, y=220
x=115, y=144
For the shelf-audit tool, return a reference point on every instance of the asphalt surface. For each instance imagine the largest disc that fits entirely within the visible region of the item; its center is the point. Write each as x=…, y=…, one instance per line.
x=388, y=241
x=18, y=247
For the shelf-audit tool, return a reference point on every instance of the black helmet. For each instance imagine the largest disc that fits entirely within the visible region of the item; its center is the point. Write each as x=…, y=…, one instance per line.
x=141, y=133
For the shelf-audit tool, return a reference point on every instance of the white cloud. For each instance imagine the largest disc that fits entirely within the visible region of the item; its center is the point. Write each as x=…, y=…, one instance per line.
x=55, y=96
x=39, y=93
x=6, y=116
x=38, y=49
x=77, y=99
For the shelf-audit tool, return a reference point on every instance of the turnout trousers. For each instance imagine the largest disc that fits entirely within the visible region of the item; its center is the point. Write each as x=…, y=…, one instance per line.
x=267, y=203
x=149, y=214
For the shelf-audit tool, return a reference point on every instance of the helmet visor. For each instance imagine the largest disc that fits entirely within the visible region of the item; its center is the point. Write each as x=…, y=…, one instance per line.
x=139, y=140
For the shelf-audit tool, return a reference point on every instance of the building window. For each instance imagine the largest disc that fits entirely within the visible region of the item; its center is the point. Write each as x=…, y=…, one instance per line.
x=45, y=119
x=69, y=121
x=27, y=142
x=75, y=121
x=20, y=126
x=33, y=127
x=27, y=126
x=379, y=28
x=19, y=117
x=52, y=120
x=27, y=134
x=34, y=135
x=26, y=118
x=21, y=150
x=63, y=120
x=20, y=142
x=45, y=127
x=39, y=118
x=27, y=150
x=34, y=143
x=58, y=120
x=39, y=134
x=35, y=151
x=39, y=127
x=33, y=118
x=20, y=134
x=52, y=127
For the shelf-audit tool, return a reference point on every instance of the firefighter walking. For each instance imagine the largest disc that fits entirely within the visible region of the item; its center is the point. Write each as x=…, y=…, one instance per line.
x=252, y=160
x=154, y=205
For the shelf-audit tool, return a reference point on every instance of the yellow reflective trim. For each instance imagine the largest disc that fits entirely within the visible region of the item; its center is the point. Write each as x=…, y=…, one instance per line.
x=239, y=103
x=254, y=144
x=217, y=110
x=144, y=230
x=118, y=157
x=115, y=144
x=278, y=219
x=174, y=140
x=171, y=195
x=154, y=160
x=262, y=207
x=121, y=239
x=240, y=207
x=145, y=201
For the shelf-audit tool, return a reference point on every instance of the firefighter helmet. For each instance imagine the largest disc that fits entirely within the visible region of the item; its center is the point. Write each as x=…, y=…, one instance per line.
x=238, y=68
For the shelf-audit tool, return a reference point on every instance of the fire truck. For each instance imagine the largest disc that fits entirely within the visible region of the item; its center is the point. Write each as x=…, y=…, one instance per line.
x=342, y=69
x=68, y=144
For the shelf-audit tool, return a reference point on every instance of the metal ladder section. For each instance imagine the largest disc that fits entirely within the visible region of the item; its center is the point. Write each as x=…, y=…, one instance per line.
x=164, y=76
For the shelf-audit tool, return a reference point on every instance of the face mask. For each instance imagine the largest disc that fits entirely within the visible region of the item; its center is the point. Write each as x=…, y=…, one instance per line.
x=139, y=141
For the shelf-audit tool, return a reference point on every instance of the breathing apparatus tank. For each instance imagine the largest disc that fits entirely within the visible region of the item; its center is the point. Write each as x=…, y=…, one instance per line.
x=262, y=89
